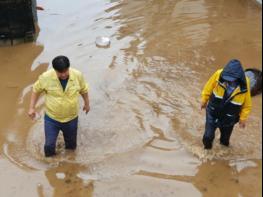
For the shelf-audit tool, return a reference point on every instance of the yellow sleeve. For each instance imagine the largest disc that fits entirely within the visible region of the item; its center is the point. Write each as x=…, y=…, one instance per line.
x=84, y=87
x=38, y=86
x=209, y=86
x=247, y=105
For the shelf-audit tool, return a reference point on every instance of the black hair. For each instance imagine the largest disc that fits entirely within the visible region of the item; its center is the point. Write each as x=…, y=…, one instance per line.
x=60, y=63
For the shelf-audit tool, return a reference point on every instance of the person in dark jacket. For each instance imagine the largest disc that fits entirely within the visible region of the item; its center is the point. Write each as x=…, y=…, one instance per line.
x=226, y=97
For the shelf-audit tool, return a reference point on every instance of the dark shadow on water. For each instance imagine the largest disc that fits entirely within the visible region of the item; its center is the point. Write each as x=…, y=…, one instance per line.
x=16, y=75
x=65, y=181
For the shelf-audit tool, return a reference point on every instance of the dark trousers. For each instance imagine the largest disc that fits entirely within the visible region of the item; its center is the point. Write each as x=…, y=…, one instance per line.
x=52, y=129
x=210, y=127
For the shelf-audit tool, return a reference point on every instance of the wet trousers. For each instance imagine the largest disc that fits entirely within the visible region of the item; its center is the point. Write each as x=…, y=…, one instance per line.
x=52, y=128
x=210, y=127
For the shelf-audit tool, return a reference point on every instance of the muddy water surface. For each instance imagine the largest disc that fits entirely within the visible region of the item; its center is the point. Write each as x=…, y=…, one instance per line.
x=143, y=134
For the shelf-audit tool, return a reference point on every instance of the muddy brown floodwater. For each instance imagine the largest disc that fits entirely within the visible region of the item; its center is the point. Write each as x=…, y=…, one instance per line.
x=143, y=134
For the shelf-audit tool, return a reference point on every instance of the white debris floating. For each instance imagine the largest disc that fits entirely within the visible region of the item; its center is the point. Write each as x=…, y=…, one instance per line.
x=102, y=41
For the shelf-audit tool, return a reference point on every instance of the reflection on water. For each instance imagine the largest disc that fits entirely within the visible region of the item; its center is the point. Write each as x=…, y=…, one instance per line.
x=220, y=179
x=145, y=90
x=67, y=176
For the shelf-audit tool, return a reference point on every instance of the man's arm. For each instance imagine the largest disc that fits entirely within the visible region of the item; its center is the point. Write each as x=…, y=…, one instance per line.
x=86, y=106
x=84, y=88
x=208, y=88
x=33, y=101
x=37, y=89
x=246, y=107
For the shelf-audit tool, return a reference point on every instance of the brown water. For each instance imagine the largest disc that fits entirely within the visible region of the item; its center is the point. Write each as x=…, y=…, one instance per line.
x=143, y=134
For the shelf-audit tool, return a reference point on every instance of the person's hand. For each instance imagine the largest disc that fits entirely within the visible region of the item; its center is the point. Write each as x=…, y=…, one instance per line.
x=86, y=108
x=32, y=113
x=203, y=105
x=242, y=124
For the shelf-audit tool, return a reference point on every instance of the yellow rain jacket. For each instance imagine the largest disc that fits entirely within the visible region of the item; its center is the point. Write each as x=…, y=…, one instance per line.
x=61, y=105
x=238, y=105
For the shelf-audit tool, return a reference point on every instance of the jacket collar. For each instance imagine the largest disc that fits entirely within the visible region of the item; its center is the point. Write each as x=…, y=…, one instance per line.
x=242, y=84
x=55, y=77
x=237, y=91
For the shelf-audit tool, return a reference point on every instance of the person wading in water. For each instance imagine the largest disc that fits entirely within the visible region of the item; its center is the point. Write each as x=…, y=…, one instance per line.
x=226, y=97
x=62, y=86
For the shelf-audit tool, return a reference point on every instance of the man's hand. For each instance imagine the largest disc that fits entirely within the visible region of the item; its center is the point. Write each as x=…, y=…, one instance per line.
x=32, y=113
x=203, y=105
x=242, y=124
x=86, y=108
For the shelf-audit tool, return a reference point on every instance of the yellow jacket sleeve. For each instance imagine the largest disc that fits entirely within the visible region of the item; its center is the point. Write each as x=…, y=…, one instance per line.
x=247, y=105
x=84, y=87
x=209, y=86
x=38, y=86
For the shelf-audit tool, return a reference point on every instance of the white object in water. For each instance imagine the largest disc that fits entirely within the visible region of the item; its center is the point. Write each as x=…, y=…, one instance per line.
x=102, y=41
x=252, y=78
x=60, y=175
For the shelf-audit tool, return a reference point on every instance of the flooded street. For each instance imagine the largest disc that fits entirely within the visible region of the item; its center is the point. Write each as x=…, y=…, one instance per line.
x=143, y=134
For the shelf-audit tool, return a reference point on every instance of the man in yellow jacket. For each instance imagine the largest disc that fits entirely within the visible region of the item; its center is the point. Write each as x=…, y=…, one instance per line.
x=62, y=86
x=226, y=97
